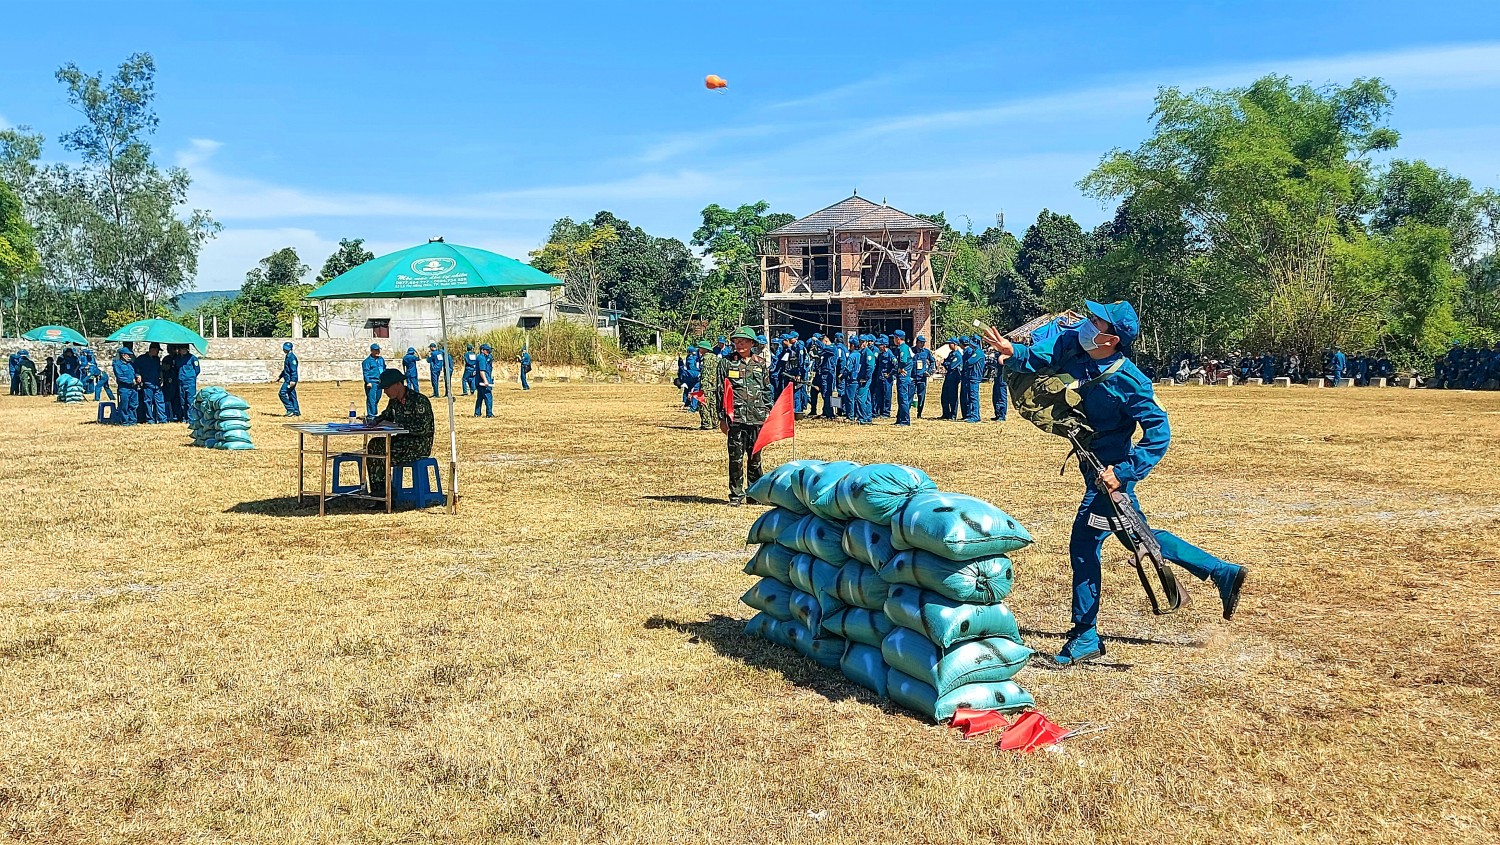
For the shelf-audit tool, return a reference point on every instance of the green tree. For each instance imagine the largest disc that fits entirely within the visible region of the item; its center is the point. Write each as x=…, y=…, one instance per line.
x=646, y=277
x=574, y=252
x=1273, y=178
x=1417, y=192
x=733, y=241
x=1052, y=246
x=18, y=255
x=273, y=291
x=350, y=254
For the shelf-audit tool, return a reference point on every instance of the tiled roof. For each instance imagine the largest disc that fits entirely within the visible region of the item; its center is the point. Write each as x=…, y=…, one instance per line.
x=855, y=214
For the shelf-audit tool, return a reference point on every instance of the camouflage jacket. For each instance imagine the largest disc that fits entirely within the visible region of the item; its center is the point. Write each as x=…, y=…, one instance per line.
x=750, y=379
x=414, y=415
x=710, y=384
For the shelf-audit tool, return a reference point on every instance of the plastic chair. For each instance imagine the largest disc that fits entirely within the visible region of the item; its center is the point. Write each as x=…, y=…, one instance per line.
x=340, y=460
x=106, y=413
x=420, y=490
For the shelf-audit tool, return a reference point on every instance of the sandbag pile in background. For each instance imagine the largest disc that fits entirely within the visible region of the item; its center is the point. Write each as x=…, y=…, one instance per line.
x=69, y=389
x=219, y=420
x=872, y=570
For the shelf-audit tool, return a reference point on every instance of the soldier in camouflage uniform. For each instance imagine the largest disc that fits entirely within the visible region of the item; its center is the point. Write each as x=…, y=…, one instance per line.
x=404, y=408
x=708, y=409
x=750, y=380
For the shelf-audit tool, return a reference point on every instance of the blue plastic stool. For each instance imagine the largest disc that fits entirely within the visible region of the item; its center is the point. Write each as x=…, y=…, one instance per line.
x=106, y=413
x=340, y=460
x=420, y=491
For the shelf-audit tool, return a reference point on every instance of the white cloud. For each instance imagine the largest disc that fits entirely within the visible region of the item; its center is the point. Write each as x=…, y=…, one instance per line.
x=226, y=259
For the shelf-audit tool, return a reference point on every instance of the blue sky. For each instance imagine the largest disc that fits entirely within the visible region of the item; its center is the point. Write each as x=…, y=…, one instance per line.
x=305, y=122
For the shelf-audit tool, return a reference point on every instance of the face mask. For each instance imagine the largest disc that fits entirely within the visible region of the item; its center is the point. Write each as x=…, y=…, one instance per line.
x=1088, y=335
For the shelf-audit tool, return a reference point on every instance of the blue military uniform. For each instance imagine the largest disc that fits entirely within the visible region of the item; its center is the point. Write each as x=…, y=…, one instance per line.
x=999, y=391
x=902, y=364
x=829, y=365
x=1338, y=363
x=865, y=378
x=289, y=378
x=484, y=382
x=126, y=380
x=525, y=369
x=439, y=370
x=973, y=378
x=692, y=380
x=15, y=373
x=409, y=367
x=953, y=376
x=370, y=369
x=1267, y=368
x=187, y=380
x=471, y=369
x=1115, y=407
x=922, y=365
x=153, y=404
x=880, y=383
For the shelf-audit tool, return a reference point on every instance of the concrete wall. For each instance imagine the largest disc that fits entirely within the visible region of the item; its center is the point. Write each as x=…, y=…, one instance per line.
x=257, y=360
x=417, y=322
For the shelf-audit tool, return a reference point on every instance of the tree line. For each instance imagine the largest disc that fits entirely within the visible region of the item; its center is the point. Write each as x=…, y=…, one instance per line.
x=1272, y=217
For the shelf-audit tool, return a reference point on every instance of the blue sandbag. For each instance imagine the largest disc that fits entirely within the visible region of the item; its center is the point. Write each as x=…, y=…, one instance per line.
x=234, y=435
x=922, y=698
x=945, y=621
x=776, y=632
x=973, y=661
x=825, y=582
x=770, y=597
x=863, y=665
x=776, y=487
x=772, y=561
x=756, y=627
x=861, y=586
x=232, y=403
x=818, y=537
x=868, y=542
x=234, y=425
x=956, y=527
x=232, y=414
x=983, y=580
x=816, y=486
x=877, y=491
x=823, y=650
x=858, y=624
x=805, y=609
x=809, y=574
x=235, y=445
x=769, y=525
x=211, y=442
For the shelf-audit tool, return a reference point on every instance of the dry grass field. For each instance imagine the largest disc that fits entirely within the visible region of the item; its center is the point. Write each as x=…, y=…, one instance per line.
x=187, y=657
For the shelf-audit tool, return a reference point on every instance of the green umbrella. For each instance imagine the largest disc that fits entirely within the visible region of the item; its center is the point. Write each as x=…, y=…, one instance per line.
x=160, y=331
x=55, y=334
x=436, y=269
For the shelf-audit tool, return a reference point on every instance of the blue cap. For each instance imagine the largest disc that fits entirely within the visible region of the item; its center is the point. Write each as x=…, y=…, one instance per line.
x=470, y=347
x=921, y=338
x=723, y=339
x=432, y=346
x=286, y=347
x=884, y=340
x=374, y=347
x=901, y=333
x=792, y=335
x=952, y=340
x=411, y=350
x=124, y=350
x=838, y=335
x=484, y=347
x=1121, y=316
x=761, y=339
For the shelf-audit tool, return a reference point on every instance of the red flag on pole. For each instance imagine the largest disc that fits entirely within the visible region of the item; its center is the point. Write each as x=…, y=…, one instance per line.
x=780, y=423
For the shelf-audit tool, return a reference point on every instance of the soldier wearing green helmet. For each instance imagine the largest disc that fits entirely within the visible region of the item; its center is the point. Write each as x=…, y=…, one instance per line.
x=746, y=381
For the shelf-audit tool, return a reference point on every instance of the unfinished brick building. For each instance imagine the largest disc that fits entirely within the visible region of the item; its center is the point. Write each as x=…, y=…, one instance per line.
x=854, y=266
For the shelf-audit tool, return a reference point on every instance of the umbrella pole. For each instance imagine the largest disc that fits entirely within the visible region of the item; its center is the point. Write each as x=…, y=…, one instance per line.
x=452, y=431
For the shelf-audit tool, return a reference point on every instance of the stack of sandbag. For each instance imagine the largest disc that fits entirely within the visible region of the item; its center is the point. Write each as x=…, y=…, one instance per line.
x=69, y=389
x=219, y=420
x=872, y=570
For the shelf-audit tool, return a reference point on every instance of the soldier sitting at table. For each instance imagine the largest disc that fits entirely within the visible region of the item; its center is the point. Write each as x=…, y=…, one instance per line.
x=404, y=408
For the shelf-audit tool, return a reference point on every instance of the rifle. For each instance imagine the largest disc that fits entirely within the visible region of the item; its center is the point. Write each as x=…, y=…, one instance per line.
x=1141, y=541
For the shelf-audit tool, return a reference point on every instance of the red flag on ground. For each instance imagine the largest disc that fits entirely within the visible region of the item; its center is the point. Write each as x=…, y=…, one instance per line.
x=780, y=423
x=728, y=400
x=1030, y=732
x=976, y=722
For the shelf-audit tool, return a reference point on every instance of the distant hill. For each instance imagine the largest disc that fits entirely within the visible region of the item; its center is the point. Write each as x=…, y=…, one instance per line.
x=193, y=298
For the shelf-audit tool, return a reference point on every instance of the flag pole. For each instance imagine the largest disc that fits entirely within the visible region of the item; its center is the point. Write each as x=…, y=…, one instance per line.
x=452, y=431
